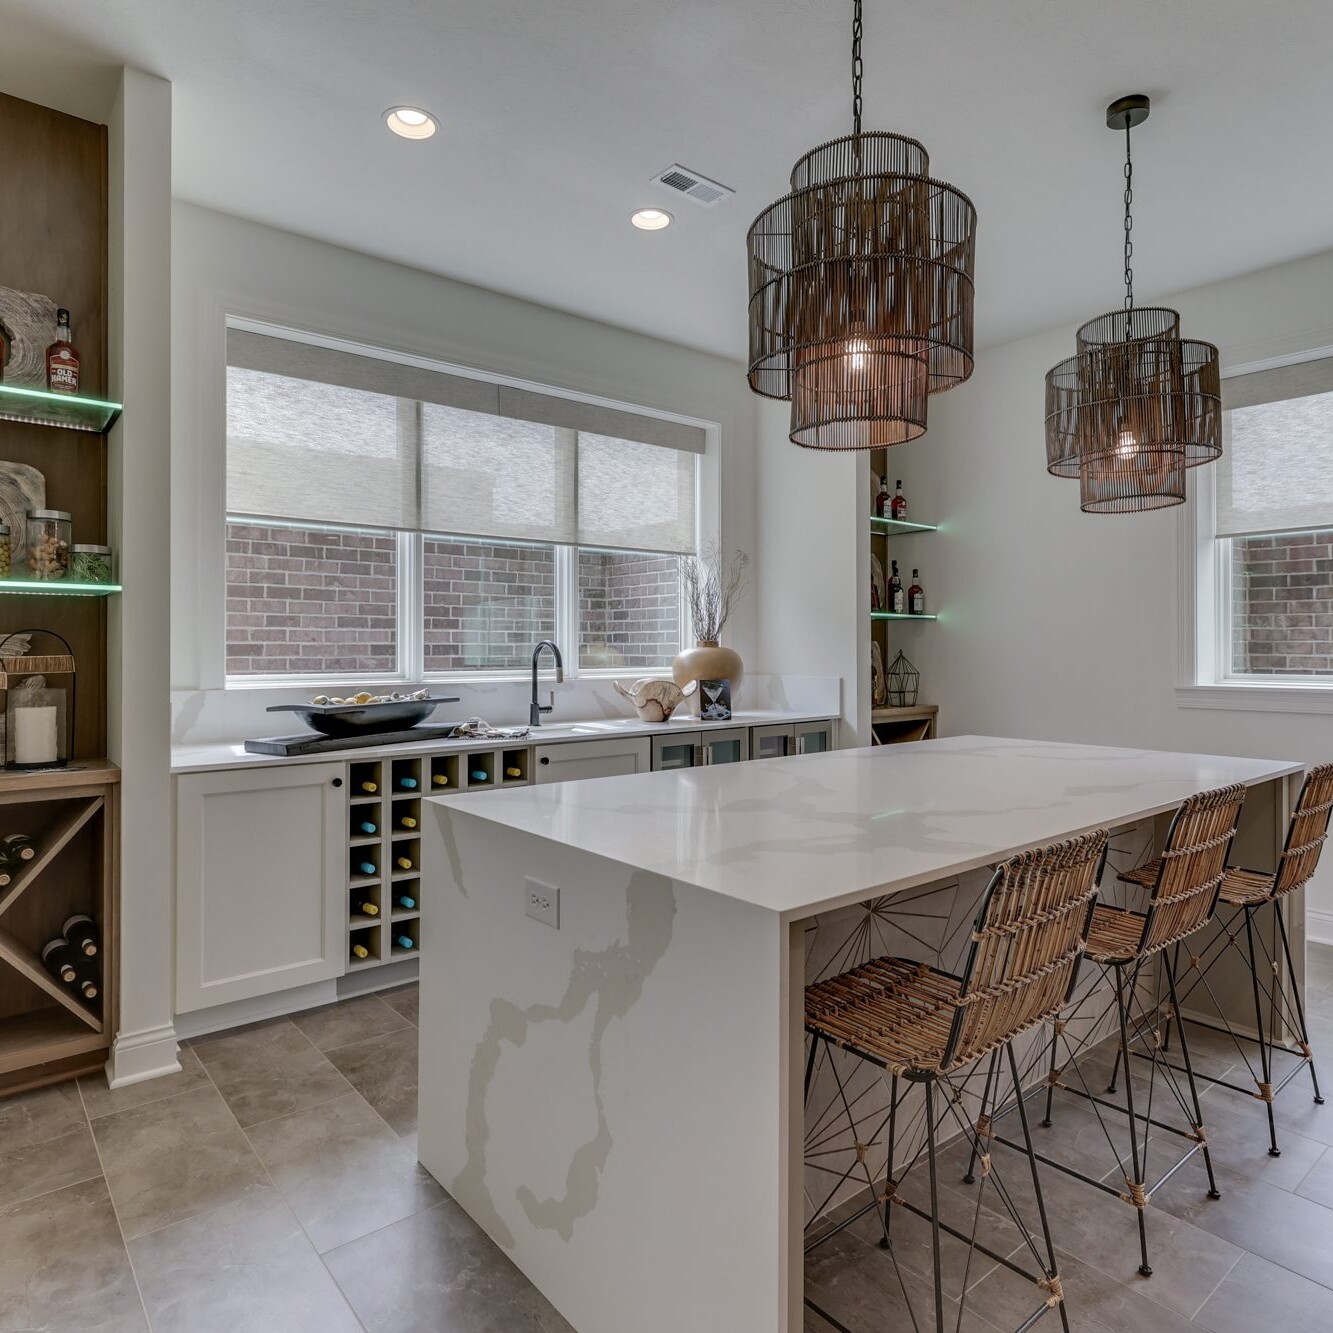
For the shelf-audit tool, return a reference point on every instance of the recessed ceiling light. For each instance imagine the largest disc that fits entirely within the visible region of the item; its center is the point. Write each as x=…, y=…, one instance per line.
x=409, y=122
x=651, y=219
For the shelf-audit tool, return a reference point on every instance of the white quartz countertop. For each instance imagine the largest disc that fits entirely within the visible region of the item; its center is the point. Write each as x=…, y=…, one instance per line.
x=812, y=832
x=213, y=756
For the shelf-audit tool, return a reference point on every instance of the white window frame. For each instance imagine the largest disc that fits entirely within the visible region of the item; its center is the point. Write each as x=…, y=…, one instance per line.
x=1204, y=604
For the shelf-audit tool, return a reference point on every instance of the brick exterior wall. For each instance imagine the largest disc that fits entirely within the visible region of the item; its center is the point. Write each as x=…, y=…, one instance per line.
x=629, y=609
x=486, y=603
x=1282, y=604
x=314, y=603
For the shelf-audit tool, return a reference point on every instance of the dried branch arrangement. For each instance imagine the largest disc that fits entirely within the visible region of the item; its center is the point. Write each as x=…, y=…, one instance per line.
x=712, y=585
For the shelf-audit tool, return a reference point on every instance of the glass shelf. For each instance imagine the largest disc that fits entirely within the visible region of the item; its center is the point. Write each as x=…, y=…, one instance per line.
x=899, y=615
x=888, y=525
x=57, y=588
x=65, y=410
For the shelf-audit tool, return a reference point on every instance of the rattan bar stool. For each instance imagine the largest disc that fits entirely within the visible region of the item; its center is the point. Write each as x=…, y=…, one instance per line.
x=1121, y=942
x=1275, y=1006
x=933, y=1029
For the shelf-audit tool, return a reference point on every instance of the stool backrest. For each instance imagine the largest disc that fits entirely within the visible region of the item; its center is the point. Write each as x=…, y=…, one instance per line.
x=1026, y=944
x=1194, y=860
x=1306, y=832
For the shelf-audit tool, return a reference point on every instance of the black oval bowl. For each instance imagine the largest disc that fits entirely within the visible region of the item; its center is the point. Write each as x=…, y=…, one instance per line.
x=362, y=719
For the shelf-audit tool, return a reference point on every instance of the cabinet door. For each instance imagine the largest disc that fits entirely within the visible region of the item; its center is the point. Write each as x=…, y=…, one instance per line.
x=726, y=747
x=260, y=881
x=771, y=742
x=591, y=759
x=682, y=749
x=813, y=737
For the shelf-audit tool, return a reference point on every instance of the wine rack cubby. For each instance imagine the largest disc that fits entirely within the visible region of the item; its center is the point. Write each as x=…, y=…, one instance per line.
x=392, y=807
x=48, y=1030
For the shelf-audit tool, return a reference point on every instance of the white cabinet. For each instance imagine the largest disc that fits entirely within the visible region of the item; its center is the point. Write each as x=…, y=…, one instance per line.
x=260, y=881
x=569, y=760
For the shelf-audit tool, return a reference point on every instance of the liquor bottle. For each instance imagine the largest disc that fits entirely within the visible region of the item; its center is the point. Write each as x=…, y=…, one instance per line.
x=87, y=985
x=897, y=598
x=513, y=771
x=367, y=867
x=367, y=907
x=916, y=595
x=479, y=775
x=405, y=942
x=62, y=361
x=17, y=847
x=58, y=959
x=440, y=780
x=81, y=932
x=360, y=951
x=403, y=862
x=405, y=901
x=370, y=788
x=5, y=876
x=408, y=784
x=882, y=500
x=367, y=827
x=407, y=822
x=898, y=505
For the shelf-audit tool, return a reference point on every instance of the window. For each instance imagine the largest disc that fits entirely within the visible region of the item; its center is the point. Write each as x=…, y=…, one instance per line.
x=1272, y=538
x=390, y=521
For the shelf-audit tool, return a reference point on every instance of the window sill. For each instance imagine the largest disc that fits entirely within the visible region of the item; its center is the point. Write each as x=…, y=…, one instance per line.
x=1265, y=697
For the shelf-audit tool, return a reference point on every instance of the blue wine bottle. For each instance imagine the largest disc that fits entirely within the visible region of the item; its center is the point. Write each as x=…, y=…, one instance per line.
x=479, y=775
x=367, y=867
x=408, y=784
x=406, y=903
x=367, y=827
x=405, y=942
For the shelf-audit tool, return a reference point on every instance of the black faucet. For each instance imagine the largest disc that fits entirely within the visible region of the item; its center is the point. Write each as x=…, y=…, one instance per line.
x=535, y=714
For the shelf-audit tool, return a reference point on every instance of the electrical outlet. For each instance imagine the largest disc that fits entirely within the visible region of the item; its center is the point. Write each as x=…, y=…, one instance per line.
x=542, y=902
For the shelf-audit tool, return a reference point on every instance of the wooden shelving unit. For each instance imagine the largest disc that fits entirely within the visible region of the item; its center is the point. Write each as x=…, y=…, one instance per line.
x=47, y=1030
x=891, y=726
x=63, y=410
x=399, y=786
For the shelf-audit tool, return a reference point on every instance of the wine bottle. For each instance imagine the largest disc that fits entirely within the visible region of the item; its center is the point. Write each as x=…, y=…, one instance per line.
x=513, y=771
x=87, y=985
x=360, y=951
x=367, y=907
x=405, y=901
x=5, y=875
x=367, y=827
x=408, y=784
x=81, y=932
x=440, y=780
x=58, y=959
x=367, y=867
x=898, y=505
x=370, y=788
x=882, y=500
x=407, y=822
x=62, y=361
x=479, y=775
x=916, y=595
x=17, y=847
x=405, y=942
x=897, y=597
x=403, y=862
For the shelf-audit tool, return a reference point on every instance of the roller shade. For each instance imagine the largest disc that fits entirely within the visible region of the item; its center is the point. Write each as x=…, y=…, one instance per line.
x=318, y=435
x=1276, y=469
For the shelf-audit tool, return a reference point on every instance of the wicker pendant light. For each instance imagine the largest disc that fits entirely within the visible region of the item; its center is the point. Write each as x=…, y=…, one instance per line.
x=1137, y=404
x=861, y=288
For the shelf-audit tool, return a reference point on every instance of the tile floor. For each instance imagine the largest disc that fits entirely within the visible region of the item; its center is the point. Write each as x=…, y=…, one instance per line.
x=272, y=1185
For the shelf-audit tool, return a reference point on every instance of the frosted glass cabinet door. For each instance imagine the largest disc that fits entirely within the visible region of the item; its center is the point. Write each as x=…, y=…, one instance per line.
x=261, y=881
x=813, y=737
x=682, y=750
x=771, y=742
x=725, y=747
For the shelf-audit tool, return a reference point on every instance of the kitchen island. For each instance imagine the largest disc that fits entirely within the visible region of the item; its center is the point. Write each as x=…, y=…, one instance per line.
x=617, y=1100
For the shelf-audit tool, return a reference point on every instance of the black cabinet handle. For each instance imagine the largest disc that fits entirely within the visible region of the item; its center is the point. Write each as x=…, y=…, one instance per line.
x=546, y=759
x=337, y=782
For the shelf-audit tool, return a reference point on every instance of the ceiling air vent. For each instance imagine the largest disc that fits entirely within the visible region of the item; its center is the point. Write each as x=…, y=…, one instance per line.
x=681, y=180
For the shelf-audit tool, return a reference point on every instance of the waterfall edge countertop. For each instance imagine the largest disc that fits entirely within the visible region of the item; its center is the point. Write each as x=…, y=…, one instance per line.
x=811, y=832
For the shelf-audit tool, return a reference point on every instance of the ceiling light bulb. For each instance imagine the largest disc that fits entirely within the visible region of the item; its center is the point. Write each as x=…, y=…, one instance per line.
x=1127, y=445
x=651, y=219
x=409, y=122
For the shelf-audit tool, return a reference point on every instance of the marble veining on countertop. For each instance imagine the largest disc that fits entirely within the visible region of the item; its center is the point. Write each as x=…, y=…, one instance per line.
x=811, y=832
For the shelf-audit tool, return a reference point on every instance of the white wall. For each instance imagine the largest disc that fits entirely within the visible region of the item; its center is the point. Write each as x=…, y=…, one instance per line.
x=1063, y=625
x=222, y=265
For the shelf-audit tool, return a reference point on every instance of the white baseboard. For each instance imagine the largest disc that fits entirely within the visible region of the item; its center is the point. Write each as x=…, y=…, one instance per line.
x=139, y=1056
x=1318, y=925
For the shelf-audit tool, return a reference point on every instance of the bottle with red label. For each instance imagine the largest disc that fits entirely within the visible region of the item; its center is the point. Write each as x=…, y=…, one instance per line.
x=898, y=505
x=62, y=360
x=882, y=500
x=916, y=596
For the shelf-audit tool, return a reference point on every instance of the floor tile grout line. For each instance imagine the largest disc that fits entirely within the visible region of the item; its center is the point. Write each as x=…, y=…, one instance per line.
x=115, y=1212
x=1231, y=1269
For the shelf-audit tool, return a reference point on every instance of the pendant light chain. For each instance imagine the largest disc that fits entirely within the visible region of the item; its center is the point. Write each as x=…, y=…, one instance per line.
x=1129, y=228
x=857, y=68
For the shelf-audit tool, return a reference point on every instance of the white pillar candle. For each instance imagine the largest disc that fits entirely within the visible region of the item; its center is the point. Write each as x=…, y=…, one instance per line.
x=35, y=735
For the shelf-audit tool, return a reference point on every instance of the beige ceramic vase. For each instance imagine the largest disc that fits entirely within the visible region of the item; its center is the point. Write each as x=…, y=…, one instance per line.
x=708, y=661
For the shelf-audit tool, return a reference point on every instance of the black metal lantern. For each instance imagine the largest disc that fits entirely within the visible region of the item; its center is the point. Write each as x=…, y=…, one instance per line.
x=904, y=682
x=39, y=710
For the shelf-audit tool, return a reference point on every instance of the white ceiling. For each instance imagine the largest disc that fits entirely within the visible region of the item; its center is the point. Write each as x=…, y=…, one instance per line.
x=555, y=113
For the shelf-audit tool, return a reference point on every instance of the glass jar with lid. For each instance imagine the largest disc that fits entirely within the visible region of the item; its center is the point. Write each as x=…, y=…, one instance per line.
x=6, y=543
x=91, y=564
x=49, y=541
